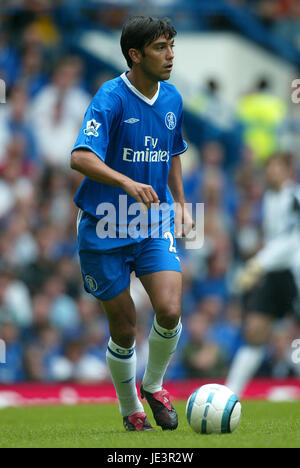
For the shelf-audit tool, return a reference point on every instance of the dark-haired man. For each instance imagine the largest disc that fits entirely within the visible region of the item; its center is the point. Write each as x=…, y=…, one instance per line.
x=128, y=149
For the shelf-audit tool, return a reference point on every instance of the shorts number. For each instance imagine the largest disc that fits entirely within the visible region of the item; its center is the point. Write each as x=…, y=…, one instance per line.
x=169, y=235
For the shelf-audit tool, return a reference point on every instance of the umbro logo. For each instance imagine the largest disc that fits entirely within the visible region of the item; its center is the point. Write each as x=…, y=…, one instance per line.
x=132, y=120
x=128, y=380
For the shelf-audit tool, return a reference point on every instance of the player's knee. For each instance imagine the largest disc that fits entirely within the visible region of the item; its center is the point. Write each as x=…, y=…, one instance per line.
x=168, y=316
x=125, y=337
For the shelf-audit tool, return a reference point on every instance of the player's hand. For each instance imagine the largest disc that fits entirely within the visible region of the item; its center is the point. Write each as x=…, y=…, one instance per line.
x=143, y=193
x=184, y=222
x=250, y=275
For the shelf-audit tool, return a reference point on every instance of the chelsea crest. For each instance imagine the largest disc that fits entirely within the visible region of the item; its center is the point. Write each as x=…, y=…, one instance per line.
x=170, y=120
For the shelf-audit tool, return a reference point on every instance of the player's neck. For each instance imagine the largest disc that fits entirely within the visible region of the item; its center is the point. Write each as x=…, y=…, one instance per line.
x=143, y=84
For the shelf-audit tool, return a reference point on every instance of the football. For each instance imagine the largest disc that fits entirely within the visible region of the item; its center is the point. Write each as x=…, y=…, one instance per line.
x=213, y=409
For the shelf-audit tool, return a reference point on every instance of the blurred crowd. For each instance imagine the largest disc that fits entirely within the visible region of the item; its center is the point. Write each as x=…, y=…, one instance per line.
x=55, y=331
x=281, y=16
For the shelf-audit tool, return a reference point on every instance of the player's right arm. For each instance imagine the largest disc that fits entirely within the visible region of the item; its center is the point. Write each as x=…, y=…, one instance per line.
x=90, y=165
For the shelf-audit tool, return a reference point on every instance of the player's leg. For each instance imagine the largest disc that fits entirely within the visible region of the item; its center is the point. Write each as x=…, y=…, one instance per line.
x=106, y=276
x=121, y=358
x=164, y=290
x=158, y=266
x=272, y=299
x=121, y=315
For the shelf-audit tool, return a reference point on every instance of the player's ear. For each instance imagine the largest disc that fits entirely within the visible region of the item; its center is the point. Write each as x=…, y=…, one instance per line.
x=135, y=56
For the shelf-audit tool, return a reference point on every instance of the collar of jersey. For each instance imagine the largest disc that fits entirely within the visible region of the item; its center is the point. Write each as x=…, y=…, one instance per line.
x=138, y=93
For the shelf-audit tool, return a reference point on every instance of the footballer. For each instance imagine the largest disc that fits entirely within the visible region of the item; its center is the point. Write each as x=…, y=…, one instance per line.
x=129, y=150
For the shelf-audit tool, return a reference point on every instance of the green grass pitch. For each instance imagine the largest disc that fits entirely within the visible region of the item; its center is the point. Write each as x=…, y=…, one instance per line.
x=263, y=424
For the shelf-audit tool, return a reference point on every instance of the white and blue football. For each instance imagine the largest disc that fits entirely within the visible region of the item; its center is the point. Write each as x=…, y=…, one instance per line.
x=213, y=409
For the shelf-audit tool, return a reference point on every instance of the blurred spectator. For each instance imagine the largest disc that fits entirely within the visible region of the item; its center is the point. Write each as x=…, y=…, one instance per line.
x=209, y=104
x=287, y=21
x=12, y=371
x=226, y=330
x=214, y=197
x=41, y=348
x=32, y=21
x=21, y=248
x=268, y=11
x=69, y=272
x=40, y=352
x=43, y=24
x=248, y=236
x=41, y=308
x=202, y=357
x=59, y=202
x=7, y=198
x=77, y=365
x=95, y=334
x=63, y=309
x=9, y=59
x=15, y=124
x=113, y=16
x=32, y=76
x=33, y=364
x=262, y=114
x=35, y=273
x=281, y=363
x=15, y=301
x=100, y=79
x=65, y=101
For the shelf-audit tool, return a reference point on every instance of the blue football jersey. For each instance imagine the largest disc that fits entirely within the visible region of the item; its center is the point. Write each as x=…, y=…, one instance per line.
x=135, y=136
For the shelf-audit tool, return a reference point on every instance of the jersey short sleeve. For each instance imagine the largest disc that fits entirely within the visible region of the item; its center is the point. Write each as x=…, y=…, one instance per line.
x=97, y=123
x=179, y=145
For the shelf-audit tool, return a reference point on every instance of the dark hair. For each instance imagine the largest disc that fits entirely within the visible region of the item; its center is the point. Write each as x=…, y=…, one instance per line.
x=140, y=31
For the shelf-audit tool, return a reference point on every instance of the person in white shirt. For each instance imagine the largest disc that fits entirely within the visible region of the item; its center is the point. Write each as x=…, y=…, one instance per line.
x=56, y=112
x=268, y=281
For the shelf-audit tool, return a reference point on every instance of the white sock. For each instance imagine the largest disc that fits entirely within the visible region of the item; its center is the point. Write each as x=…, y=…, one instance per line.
x=162, y=345
x=245, y=364
x=122, y=366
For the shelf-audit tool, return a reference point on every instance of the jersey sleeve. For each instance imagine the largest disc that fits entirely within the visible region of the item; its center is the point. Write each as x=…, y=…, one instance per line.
x=179, y=145
x=97, y=123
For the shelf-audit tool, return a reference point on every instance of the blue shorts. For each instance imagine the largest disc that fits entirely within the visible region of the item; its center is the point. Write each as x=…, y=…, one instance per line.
x=107, y=273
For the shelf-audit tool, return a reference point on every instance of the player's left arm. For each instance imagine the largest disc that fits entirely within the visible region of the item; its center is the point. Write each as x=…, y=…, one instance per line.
x=183, y=219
